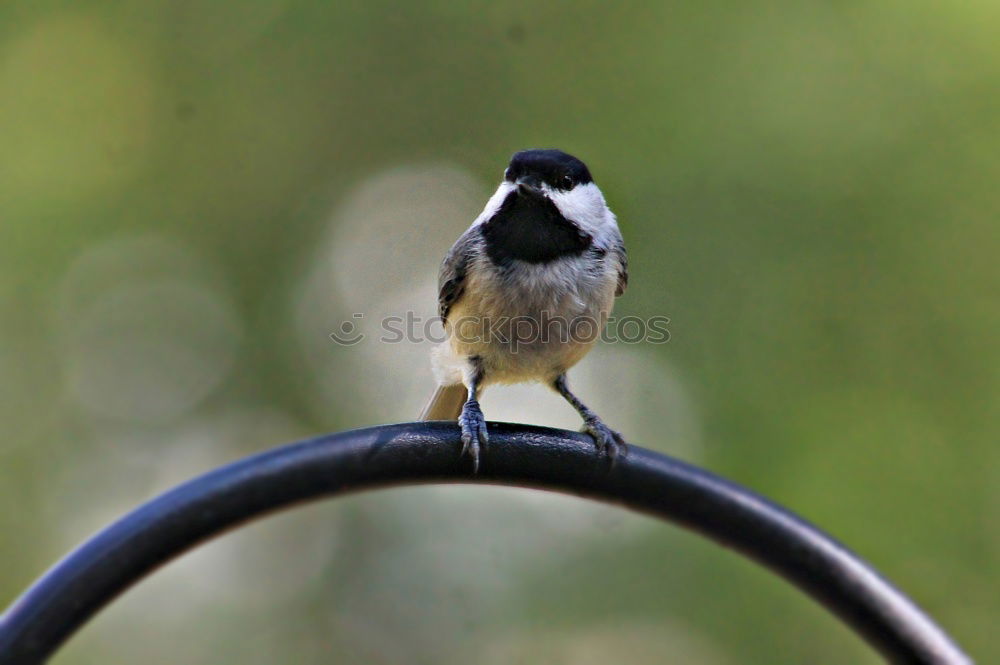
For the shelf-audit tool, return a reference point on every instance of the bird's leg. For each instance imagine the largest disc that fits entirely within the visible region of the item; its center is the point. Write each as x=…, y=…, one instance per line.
x=605, y=437
x=472, y=421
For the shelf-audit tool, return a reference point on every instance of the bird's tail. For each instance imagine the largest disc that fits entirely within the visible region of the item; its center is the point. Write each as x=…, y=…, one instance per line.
x=446, y=403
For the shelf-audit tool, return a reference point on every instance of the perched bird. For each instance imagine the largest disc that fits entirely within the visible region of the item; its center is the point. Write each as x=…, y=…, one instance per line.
x=526, y=291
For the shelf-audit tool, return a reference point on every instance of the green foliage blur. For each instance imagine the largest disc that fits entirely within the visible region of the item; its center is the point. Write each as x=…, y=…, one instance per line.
x=193, y=195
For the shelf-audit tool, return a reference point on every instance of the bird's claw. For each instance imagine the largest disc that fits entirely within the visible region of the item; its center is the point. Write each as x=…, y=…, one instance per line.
x=474, y=433
x=605, y=438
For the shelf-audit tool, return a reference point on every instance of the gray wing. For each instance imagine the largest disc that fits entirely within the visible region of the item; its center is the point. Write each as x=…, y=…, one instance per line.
x=618, y=251
x=451, y=278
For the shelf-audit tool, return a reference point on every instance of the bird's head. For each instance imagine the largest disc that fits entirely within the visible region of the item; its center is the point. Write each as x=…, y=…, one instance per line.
x=539, y=181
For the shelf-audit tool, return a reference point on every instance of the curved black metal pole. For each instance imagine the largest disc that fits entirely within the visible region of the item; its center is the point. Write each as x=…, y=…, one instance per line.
x=73, y=590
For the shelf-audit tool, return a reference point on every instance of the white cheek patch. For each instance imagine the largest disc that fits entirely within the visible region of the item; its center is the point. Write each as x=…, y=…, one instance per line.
x=584, y=204
x=493, y=205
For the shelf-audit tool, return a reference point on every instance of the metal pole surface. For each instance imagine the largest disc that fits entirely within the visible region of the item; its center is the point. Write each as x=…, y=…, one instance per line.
x=88, y=578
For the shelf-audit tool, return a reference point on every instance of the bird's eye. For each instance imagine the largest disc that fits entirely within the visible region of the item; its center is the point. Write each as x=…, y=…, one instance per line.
x=567, y=181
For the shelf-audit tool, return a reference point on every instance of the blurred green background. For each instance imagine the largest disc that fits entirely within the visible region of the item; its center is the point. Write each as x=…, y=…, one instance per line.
x=193, y=195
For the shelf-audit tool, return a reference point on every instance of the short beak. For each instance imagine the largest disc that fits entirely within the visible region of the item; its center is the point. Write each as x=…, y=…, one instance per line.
x=529, y=185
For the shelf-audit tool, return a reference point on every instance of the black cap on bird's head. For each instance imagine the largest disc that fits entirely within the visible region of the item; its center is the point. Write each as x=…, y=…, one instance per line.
x=560, y=171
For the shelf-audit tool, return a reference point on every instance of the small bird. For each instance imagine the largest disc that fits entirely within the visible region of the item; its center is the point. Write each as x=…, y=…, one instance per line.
x=525, y=292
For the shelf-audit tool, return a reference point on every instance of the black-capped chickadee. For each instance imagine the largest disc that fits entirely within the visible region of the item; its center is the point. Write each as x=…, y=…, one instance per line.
x=526, y=290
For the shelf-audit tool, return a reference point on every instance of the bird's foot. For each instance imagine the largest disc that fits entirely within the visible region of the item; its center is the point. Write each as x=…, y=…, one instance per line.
x=474, y=434
x=605, y=438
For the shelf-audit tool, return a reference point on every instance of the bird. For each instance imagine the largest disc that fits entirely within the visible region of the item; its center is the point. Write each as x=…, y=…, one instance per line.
x=525, y=292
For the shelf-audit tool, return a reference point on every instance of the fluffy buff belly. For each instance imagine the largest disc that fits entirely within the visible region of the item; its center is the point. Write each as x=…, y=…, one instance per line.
x=514, y=361
x=535, y=332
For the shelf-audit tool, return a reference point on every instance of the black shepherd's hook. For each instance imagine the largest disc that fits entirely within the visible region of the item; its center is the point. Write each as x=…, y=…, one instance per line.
x=77, y=587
